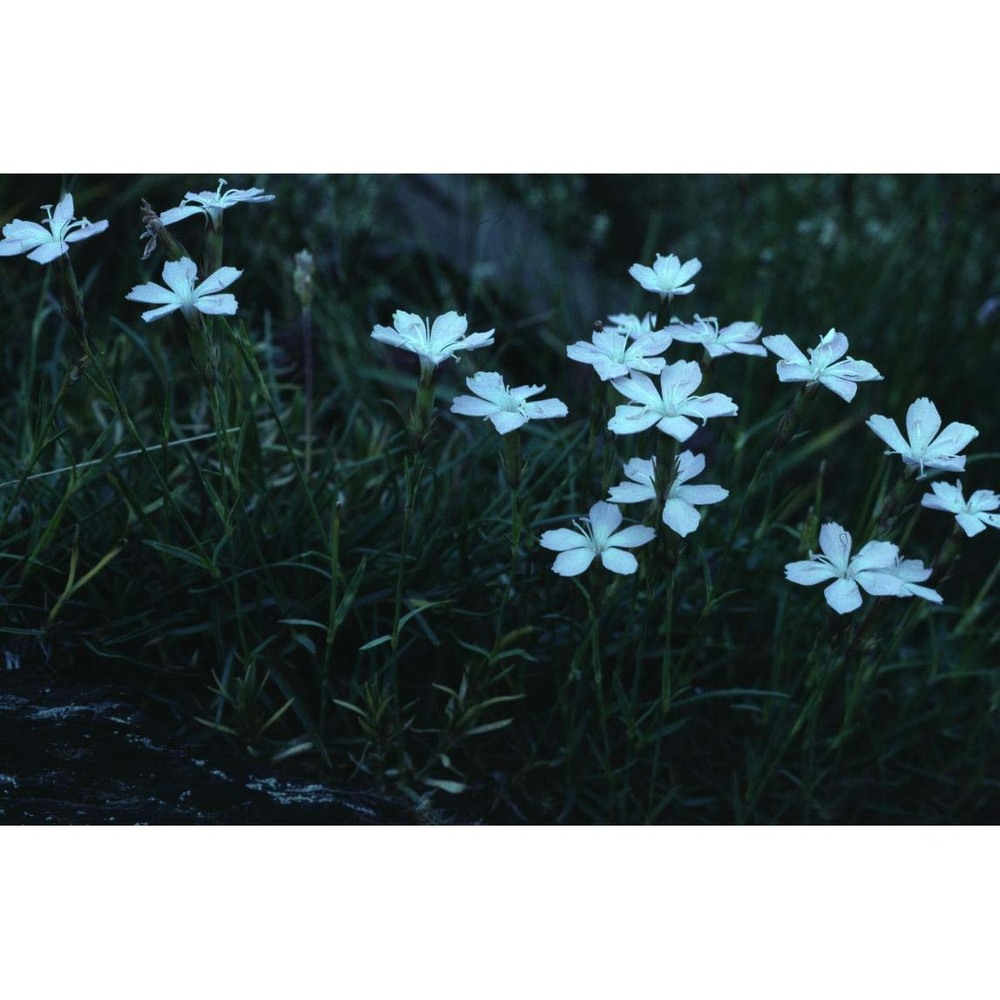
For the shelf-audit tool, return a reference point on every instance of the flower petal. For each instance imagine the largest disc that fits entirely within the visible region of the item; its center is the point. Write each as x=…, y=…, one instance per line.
x=922, y=422
x=506, y=421
x=618, y=561
x=215, y=282
x=680, y=516
x=631, y=537
x=48, y=252
x=680, y=379
x=784, y=347
x=563, y=539
x=472, y=406
x=954, y=438
x=172, y=215
x=970, y=524
x=631, y=493
x=843, y=596
x=85, y=232
x=633, y=419
x=179, y=275
x=888, y=430
x=700, y=495
x=679, y=428
x=154, y=314
x=217, y=305
x=841, y=386
x=808, y=572
x=151, y=292
x=488, y=385
x=544, y=409
x=689, y=465
x=792, y=371
x=836, y=544
x=604, y=519
x=448, y=329
x=573, y=562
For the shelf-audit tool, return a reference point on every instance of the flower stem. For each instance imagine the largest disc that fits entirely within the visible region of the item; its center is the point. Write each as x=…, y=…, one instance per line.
x=782, y=435
x=887, y=514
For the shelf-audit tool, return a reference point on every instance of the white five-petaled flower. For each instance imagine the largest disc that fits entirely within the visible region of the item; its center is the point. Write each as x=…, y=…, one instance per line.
x=670, y=407
x=667, y=276
x=971, y=514
x=924, y=449
x=42, y=244
x=507, y=409
x=631, y=325
x=597, y=535
x=873, y=568
x=211, y=203
x=433, y=344
x=182, y=293
x=679, y=512
x=733, y=339
x=613, y=355
x=823, y=364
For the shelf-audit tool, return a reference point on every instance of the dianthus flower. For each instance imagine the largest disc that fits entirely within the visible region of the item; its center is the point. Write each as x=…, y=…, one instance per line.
x=971, y=514
x=733, y=339
x=42, y=244
x=679, y=513
x=823, y=364
x=181, y=292
x=432, y=344
x=667, y=276
x=596, y=535
x=212, y=203
x=631, y=325
x=924, y=449
x=670, y=408
x=873, y=568
x=507, y=409
x=613, y=355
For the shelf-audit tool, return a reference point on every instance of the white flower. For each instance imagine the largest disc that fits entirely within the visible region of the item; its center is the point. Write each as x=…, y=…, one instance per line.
x=614, y=356
x=667, y=275
x=970, y=514
x=508, y=409
x=597, y=535
x=924, y=449
x=732, y=339
x=44, y=245
x=179, y=276
x=212, y=203
x=433, y=344
x=642, y=472
x=630, y=324
x=909, y=573
x=873, y=568
x=671, y=406
x=822, y=365
x=679, y=512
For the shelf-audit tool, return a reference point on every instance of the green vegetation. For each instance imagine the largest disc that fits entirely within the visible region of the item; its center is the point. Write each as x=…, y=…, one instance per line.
x=302, y=573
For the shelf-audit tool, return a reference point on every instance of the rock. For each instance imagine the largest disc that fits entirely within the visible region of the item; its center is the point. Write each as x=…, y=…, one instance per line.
x=86, y=753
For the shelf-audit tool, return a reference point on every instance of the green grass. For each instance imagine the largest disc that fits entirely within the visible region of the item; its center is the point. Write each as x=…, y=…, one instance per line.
x=301, y=606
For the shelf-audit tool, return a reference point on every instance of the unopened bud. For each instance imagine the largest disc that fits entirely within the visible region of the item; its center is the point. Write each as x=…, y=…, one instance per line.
x=302, y=277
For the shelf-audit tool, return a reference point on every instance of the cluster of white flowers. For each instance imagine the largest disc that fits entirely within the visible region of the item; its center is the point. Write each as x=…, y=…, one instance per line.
x=625, y=352
x=43, y=243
